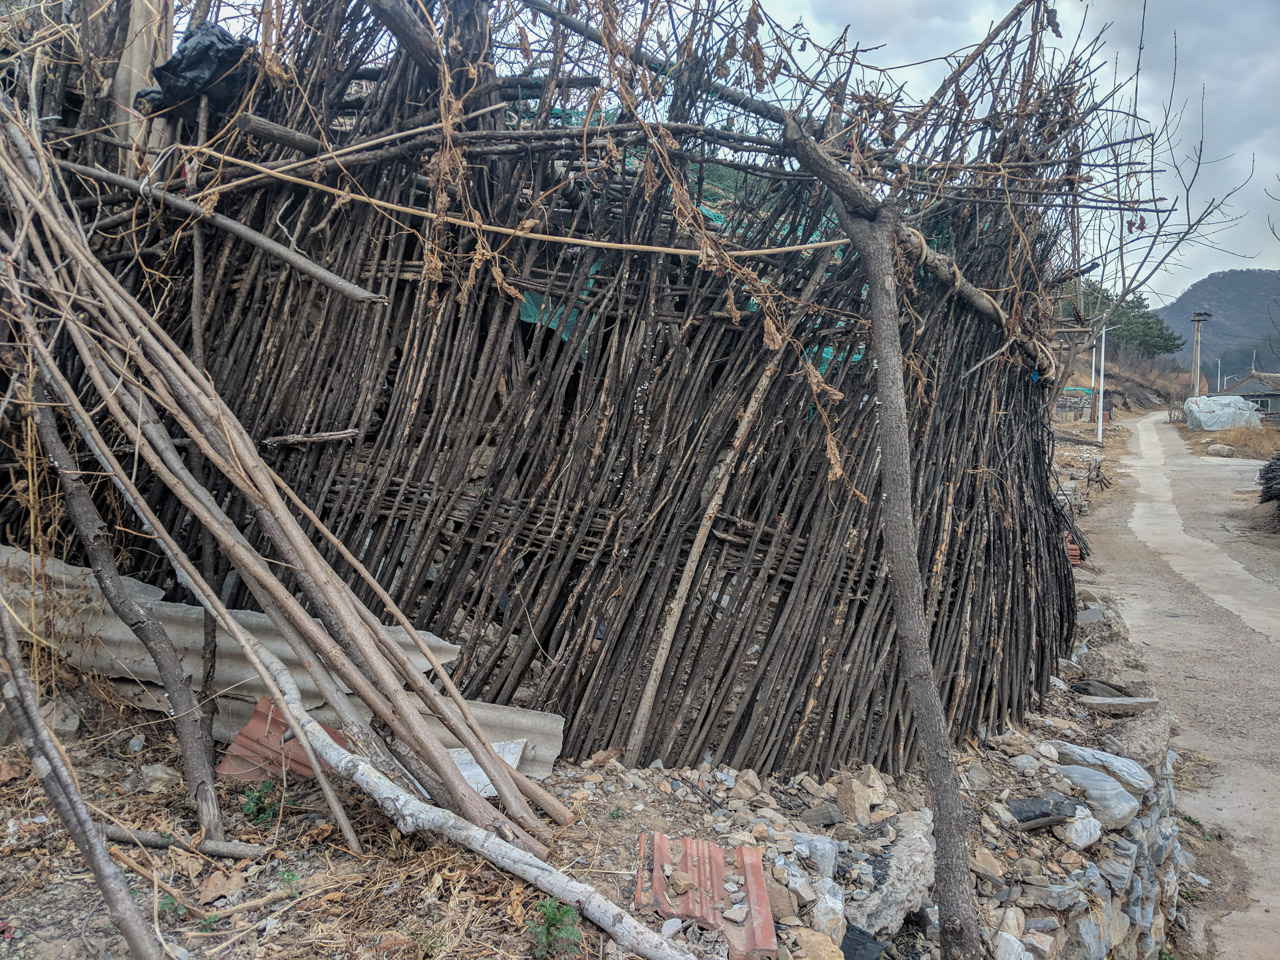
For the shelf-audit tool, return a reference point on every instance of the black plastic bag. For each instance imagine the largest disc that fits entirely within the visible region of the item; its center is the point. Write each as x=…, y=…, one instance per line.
x=860, y=945
x=208, y=61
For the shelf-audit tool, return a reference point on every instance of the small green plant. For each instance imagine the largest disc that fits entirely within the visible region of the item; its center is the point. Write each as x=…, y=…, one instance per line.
x=1191, y=820
x=1188, y=894
x=209, y=922
x=555, y=929
x=1166, y=954
x=428, y=944
x=617, y=813
x=258, y=805
x=290, y=880
x=169, y=905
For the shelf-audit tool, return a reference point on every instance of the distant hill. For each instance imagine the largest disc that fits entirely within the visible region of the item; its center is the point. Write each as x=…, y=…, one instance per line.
x=1246, y=311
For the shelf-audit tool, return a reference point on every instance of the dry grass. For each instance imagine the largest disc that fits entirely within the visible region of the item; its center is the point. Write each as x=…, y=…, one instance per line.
x=1255, y=444
x=1193, y=771
x=406, y=898
x=1249, y=444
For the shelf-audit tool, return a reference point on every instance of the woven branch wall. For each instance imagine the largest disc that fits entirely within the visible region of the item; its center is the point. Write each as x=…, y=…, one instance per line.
x=529, y=434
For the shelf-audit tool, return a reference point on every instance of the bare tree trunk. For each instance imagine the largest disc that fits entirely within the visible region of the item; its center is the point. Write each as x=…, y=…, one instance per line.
x=208, y=557
x=185, y=710
x=59, y=785
x=953, y=889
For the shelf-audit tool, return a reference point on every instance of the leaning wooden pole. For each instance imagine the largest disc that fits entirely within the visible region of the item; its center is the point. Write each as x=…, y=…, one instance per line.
x=187, y=712
x=953, y=890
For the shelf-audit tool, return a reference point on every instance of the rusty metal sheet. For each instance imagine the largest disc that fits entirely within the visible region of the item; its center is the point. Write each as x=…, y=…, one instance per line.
x=705, y=902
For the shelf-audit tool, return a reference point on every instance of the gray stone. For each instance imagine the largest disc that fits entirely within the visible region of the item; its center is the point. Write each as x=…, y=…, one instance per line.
x=1113, y=806
x=1119, y=706
x=977, y=775
x=1220, y=450
x=1163, y=839
x=907, y=877
x=1093, y=687
x=1080, y=833
x=1088, y=940
x=1128, y=772
x=671, y=927
x=1048, y=751
x=1118, y=873
x=1025, y=765
x=823, y=815
x=822, y=852
x=1089, y=878
x=736, y=914
x=1003, y=815
x=1056, y=896
x=1043, y=924
x=1039, y=945
x=1009, y=947
x=828, y=910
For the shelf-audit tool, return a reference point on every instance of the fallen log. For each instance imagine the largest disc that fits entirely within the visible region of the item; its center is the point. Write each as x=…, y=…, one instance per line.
x=411, y=815
x=230, y=849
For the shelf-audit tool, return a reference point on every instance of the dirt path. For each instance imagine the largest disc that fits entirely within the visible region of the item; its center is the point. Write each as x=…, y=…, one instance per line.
x=1198, y=582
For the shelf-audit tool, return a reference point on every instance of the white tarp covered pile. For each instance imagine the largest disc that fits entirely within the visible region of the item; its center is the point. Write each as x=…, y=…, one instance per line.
x=1222, y=413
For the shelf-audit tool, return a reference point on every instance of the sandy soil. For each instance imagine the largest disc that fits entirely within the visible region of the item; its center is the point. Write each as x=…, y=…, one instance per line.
x=1195, y=565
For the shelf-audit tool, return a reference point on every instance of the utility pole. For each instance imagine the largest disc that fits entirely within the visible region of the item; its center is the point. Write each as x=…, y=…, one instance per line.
x=1102, y=382
x=1219, y=375
x=1199, y=318
x=1093, y=377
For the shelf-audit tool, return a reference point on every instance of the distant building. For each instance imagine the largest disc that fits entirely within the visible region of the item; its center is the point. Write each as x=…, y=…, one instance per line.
x=1262, y=388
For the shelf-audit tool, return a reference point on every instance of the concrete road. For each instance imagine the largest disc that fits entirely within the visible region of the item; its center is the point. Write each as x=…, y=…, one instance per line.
x=1199, y=585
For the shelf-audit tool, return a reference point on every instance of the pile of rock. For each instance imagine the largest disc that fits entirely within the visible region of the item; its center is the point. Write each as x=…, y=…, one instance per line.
x=1075, y=855
x=837, y=853
x=1080, y=856
x=1083, y=862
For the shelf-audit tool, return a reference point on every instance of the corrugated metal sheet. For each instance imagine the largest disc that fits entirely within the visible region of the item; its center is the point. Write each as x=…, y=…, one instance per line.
x=71, y=611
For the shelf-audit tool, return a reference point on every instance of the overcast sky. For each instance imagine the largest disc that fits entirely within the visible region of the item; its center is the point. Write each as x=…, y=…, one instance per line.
x=1227, y=49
